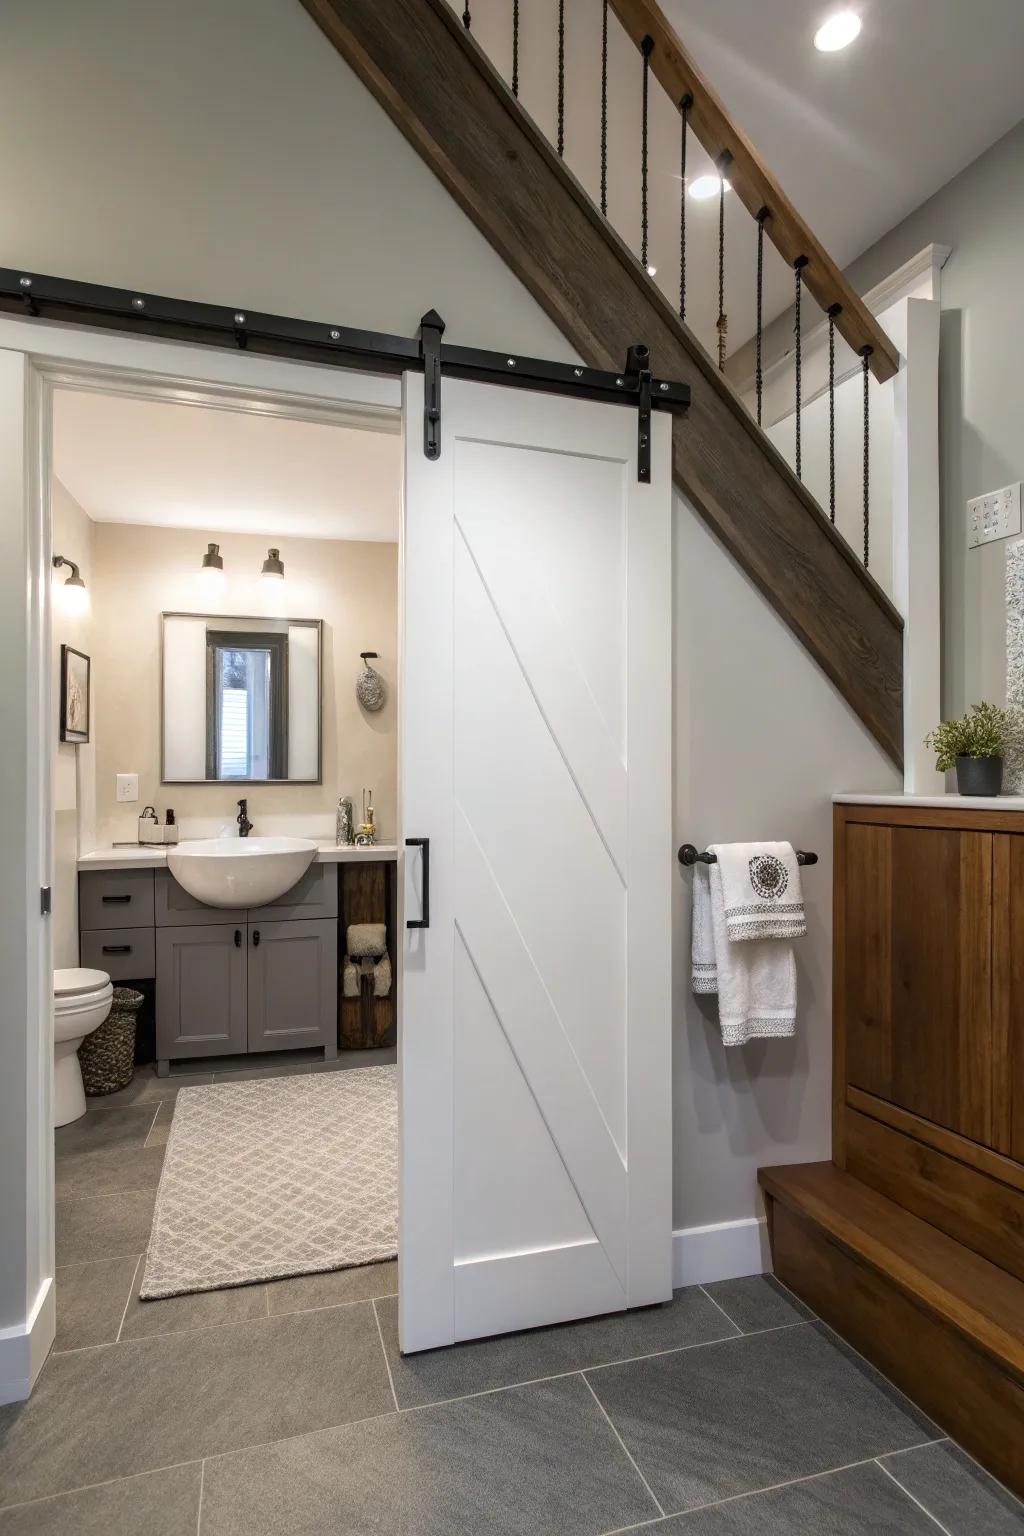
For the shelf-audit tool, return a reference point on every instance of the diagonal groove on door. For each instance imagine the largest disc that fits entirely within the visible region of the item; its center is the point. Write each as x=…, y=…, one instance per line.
x=540, y=1045
x=547, y=1130
x=598, y=748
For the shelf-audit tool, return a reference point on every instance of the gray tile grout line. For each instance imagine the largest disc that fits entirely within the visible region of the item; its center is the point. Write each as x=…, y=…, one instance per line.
x=112, y=1194
x=704, y=1292
x=128, y=1298
x=383, y=1350
x=106, y=1482
x=111, y=1258
x=949, y=1440
x=752, y=1493
x=906, y=1491
x=625, y=1448
x=879, y=1373
x=202, y=1485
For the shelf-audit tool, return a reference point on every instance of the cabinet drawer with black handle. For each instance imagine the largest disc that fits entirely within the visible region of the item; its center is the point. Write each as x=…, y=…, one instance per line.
x=126, y=954
x=115, y=898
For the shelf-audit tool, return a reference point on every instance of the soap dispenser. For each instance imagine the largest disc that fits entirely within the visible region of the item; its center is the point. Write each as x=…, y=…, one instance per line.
x=149, y=827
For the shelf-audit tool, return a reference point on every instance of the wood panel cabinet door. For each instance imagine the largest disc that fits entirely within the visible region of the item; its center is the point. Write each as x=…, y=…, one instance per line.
x=917, y=971
x=293, y=985
x=200, y=990
x=1008, y=994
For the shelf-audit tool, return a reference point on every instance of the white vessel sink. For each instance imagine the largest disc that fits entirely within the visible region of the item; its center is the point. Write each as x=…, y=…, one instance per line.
x=240, y=871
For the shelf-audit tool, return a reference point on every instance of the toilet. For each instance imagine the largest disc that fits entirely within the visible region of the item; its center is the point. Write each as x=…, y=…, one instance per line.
x=81, y=1002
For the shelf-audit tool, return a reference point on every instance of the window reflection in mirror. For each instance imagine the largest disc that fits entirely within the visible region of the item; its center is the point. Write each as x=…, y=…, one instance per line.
x=241, y=699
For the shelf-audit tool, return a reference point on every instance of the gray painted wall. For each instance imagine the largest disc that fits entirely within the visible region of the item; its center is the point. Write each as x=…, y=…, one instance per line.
x=980, y=213
x=219, y=149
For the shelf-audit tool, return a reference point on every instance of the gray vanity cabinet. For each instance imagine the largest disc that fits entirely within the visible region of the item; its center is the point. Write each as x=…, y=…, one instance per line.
x=293, y=984
x=202, y=990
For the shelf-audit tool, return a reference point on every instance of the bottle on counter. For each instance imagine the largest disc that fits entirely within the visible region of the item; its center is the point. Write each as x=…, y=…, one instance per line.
x=170, y=827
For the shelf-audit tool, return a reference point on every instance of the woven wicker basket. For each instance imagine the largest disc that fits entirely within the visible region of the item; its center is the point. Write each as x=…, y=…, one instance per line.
x=107, y=1056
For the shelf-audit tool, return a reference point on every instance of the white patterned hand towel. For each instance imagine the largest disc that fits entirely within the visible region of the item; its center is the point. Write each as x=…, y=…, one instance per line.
x=755, y=981
x=761, y=890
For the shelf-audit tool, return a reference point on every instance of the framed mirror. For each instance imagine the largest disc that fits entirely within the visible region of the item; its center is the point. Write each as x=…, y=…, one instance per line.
x=240, y=699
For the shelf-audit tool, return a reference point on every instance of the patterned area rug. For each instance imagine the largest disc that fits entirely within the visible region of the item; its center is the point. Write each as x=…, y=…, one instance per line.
x=264, y=1179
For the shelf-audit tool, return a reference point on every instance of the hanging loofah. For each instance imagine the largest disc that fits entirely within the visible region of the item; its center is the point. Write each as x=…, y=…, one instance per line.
x=370, y=690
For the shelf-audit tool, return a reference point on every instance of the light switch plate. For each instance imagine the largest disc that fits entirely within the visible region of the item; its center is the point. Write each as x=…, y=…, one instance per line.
x=127, y=786
x=995, y=516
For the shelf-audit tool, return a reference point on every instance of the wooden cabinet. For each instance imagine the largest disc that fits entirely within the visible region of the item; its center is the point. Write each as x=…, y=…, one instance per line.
x=293, y=985
x=918, y=997
x=928, y=1012
x=201, y=990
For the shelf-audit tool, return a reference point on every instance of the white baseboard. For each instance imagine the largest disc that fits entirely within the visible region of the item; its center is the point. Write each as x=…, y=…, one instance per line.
x=24, y=1346
x=724, y=1251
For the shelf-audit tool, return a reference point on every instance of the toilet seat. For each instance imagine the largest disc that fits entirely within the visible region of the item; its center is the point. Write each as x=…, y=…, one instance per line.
x=77, y=981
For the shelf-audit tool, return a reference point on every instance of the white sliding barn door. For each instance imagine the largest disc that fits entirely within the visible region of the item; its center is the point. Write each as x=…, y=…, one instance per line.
x=536, y=758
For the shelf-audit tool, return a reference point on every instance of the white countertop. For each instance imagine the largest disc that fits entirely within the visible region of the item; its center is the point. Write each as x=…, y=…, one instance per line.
x=939, y=802
x=154, y=856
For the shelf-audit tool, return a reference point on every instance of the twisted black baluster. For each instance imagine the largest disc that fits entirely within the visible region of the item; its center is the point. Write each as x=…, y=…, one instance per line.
x=684, y=108
x=758, y=370
x=646, y=48
x=561, y=77
x=515, y=47
x=865, y=353
x=834, y=310
x=798, y=267
x=604, y=107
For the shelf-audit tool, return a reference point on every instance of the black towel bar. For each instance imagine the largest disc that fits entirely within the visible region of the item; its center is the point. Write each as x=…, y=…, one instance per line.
x=689, y=855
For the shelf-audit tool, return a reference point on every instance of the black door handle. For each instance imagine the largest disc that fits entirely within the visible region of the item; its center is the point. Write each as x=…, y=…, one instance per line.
x=114, y=900
x=117, y=949
x=238, y=938
x=255, y=938
x=424, y=843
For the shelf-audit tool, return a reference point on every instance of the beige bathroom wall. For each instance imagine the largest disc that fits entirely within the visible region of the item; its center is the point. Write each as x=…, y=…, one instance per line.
x=142, y=572
x=73, y=765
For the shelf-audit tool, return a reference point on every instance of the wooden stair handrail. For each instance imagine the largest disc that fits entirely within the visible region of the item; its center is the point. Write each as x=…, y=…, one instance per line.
x=731, y=150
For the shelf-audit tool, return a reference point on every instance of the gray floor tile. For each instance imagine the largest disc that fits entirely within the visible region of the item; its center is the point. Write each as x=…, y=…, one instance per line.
x=155, y=1504
x=690, y=1318
x=124, y=1408
x=752, y=1412
x=104, y=1228
x=248, y=1074
x=183, y=1314
x=538, y=1461
x=345, y=1060
x=953, y=1488
x=851, y=1503
x=109, y=1171
x=123, y=1126
x=303, y=1292
x=757, y=1301
x=91, y=1301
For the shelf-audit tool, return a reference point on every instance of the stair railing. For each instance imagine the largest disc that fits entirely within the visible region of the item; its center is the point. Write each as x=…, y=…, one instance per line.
x=739, y=169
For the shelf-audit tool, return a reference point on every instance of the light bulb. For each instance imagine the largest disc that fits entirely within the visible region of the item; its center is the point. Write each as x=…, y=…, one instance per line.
x=837, y=32
x=74, y=597
x=652, y=270
x=212, y=582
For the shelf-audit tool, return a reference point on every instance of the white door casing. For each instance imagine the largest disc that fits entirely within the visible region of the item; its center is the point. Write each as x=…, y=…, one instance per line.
x=536, y=756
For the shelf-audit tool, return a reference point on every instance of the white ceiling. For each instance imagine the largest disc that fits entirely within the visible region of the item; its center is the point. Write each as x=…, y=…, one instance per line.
x=181, y=466
x=861, y=137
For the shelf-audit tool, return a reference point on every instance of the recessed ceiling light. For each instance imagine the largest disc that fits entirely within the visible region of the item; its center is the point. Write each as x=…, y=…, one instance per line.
x=707, y=186
x=838, y=32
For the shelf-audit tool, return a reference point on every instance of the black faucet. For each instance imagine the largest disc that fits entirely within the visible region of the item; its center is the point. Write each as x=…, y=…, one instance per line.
x=244, y=824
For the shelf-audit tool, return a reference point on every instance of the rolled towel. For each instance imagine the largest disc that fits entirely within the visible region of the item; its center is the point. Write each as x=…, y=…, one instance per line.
x=367, y=940
x=761, y=891
x=382, y=976
x=703, y=971
x=349, y=979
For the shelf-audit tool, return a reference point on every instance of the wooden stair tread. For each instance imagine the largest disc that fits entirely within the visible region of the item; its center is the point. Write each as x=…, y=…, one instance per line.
x=976, y=1297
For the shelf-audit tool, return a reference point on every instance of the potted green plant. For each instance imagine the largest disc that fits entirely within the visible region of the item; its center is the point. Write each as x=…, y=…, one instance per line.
x=973, y=745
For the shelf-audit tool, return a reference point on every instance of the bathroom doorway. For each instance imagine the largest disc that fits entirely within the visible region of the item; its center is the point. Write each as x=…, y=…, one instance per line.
x=225, y=838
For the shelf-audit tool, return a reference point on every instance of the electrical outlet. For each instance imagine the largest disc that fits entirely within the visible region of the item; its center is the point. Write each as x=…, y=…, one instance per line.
x=127, y=786
x=995, y=516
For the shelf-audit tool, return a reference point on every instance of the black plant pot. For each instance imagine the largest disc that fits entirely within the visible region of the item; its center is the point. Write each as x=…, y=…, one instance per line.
x=979, y=775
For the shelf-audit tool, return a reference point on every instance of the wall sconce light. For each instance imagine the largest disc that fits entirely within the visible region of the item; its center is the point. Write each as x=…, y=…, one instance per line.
x=273, y=567
x=75, y=597
x=211, y=572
